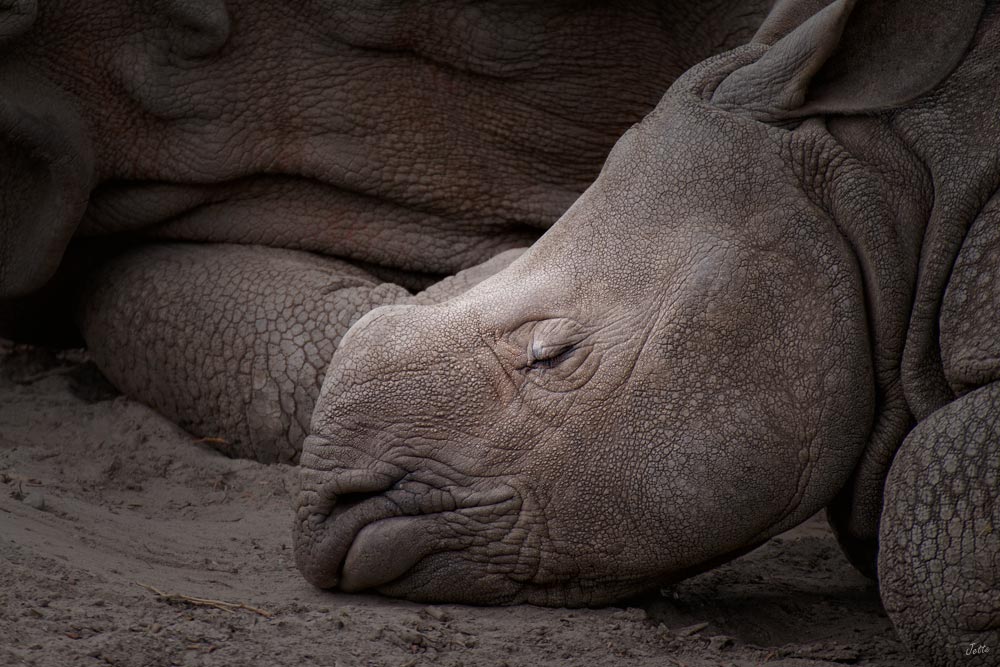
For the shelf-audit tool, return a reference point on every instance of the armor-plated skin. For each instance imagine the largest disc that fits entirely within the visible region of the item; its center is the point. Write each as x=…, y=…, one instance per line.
x=778, y=295
x=778, y=273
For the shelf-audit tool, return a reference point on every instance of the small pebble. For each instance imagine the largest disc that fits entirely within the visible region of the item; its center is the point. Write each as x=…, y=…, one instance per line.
x=629, y=615
x=719, y=642
x=438, y=614
x=409, y=636
x=36, y=500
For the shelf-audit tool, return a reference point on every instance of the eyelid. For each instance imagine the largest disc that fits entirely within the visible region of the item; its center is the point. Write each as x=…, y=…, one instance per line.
x=540, y=352
x=552, y=343
x=536, y=342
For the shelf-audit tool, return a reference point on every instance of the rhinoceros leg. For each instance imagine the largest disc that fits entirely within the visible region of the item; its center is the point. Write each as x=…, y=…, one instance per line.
x=230, y=341
x=939, y=560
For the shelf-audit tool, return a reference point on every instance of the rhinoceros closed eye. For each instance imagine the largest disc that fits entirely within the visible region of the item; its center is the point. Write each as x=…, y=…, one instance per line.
x=551, y=344
x=542, y=355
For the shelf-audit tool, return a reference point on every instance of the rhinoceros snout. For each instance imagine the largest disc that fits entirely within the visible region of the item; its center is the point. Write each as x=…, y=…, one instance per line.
x=333, y=507
x=377, y=524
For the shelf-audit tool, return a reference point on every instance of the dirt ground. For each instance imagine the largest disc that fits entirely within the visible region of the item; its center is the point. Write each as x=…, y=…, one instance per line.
x=102, y=501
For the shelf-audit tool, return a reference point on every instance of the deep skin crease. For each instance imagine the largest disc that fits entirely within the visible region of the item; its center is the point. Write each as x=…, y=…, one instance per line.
x=778, y=286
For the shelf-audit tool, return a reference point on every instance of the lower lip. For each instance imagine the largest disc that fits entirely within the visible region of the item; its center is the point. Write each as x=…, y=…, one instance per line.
x=385, y=550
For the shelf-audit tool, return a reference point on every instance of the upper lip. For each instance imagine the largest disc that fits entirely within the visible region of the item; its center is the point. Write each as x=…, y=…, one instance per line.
x=323, y=540
x=333, y=507
x=347, y=501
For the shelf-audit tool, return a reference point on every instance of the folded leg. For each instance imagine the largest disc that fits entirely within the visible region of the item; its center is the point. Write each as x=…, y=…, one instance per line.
x=939, y=551
x=230, y=341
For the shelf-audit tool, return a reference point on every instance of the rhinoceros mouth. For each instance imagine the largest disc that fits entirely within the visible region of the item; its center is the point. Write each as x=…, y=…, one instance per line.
x=323, y=538
x=360, y=541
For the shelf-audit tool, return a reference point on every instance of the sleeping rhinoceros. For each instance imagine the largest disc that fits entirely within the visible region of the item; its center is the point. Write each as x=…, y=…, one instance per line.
x=782, y=283
x=782, y=293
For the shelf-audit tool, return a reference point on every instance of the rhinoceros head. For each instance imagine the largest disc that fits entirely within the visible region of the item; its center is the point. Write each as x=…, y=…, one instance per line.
x=678, y=370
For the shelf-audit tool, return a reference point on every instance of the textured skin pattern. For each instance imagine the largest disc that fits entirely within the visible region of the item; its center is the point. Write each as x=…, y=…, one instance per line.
x=970, y=326
x=423, y=135
x=585, y=423
x=966, y=176
x=232, y=342
x=732, y=301
x=465, y=279
x=737, y=324
x=877, y=179
x=333, y=127
x=936, y=165
x=939, y=562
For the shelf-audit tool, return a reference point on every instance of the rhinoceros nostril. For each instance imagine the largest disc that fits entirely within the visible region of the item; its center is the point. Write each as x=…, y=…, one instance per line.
x=330, y=498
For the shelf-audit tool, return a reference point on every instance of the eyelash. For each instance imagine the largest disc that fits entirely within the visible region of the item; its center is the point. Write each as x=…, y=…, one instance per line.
x=552, y=361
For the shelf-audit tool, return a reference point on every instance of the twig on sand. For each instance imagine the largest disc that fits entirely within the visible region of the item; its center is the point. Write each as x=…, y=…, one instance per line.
x=210, y=441
x=204, y=602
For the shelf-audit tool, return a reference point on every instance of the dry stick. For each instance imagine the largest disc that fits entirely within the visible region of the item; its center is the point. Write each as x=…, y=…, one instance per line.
x=211, y=441
x=204, y=602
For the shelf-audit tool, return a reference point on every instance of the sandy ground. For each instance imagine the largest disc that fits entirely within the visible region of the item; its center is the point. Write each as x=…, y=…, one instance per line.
x=99, y=495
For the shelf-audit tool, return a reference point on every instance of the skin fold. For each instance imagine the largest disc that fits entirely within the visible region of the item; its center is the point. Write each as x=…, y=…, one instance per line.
x=423, y=136
x=776, y=296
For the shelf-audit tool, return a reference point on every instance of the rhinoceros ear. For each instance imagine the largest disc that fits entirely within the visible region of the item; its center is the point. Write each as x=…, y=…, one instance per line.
x=850, y=56
x=46, y=173
x=785, y=16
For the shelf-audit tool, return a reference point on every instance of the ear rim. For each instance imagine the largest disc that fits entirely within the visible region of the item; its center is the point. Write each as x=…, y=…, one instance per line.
x=851, y=79
x=784, y=17
x=823, y=96
x=791, y=62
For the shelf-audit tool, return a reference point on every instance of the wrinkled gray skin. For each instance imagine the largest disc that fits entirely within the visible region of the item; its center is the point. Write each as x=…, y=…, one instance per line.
x=404, y=141
x=784, y=277
x=779, y=295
